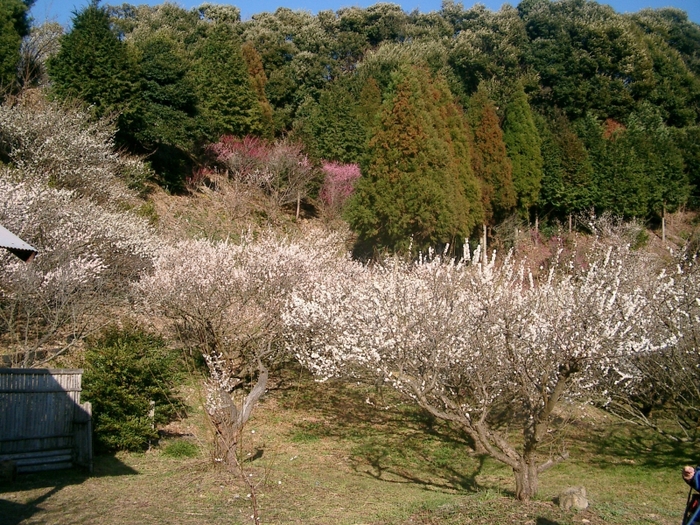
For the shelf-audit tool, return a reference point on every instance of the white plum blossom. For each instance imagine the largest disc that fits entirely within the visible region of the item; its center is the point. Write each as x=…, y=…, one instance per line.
x=62, y=147
x=87, y=255
x=662, y=386
x=479, y=344
x=225, y=300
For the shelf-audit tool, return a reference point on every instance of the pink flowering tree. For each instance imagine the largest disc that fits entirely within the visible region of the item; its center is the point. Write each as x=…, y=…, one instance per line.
x=338, y=184
x=487, y=346
x=280, y=169
x=244, y=159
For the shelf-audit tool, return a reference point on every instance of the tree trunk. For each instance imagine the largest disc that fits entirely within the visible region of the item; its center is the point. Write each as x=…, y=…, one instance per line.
x=485, y=257
x=663, y=224
x=526, y=478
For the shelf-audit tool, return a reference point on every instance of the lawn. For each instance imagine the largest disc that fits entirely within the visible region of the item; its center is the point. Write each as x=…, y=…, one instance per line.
x=344, y=454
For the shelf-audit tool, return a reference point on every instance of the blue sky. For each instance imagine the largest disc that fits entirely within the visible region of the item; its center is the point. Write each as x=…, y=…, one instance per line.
x=60, y=10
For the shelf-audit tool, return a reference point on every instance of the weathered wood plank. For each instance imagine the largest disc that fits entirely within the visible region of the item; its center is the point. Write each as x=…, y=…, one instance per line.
x=40, y=412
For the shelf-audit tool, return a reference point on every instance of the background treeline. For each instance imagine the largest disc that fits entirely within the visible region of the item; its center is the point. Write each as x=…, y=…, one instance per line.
x=458, y=119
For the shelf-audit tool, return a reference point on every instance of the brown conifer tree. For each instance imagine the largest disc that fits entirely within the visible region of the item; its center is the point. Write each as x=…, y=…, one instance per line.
x=417, y=187
x=259, y=80
x=490, y=162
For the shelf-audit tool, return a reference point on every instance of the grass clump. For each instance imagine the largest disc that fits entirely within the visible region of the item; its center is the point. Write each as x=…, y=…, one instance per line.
x=181, y=448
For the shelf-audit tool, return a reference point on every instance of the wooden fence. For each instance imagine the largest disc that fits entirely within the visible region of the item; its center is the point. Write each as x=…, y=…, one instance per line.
x=43, y=425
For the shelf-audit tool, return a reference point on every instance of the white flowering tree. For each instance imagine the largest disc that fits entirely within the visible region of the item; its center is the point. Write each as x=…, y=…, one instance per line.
x=87, y=256
x=486, y=346
x=663, y=392
x=225, y=300
x=64, y=192
x=52, y=144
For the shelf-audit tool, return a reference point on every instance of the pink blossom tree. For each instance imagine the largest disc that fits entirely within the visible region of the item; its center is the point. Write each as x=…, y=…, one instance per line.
x=338, y=184
x=280, y=169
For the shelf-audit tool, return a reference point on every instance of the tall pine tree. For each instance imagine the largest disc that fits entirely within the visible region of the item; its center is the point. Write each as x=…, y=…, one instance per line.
x=228, y=103
x=94, y=65
x=259, y=80
x=370, y=102
x=639, y=170
x=330, y=128
x=655, y=145
x=167, y=105
x=14, y=25
x=567, y=172
x=620, y=184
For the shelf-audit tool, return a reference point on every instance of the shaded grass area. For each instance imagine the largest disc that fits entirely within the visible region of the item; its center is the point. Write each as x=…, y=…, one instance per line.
x=338, y=453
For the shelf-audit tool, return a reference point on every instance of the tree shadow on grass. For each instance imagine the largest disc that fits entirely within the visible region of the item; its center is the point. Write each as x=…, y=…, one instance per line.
x=641, y=447
x=49, y=483
x=545, y=521
x=392, y=440
x=383, y=466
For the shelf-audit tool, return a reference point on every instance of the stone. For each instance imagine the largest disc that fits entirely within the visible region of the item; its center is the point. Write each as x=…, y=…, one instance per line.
x=573, y=498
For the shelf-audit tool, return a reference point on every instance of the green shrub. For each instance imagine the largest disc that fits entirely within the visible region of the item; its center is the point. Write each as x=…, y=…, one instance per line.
x=148, y=211
x=181, y=449
x=641, y=239
x=126, y=370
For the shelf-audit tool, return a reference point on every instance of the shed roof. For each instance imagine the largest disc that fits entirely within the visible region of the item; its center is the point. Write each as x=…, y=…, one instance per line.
x=16, y=245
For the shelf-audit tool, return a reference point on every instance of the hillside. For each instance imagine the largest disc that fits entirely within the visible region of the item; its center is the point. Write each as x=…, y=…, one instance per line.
x=364, y=266
x=325, y=456
x=459, y=118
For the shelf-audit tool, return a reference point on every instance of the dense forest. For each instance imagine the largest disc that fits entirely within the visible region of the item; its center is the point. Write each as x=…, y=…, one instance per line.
x=457, y=119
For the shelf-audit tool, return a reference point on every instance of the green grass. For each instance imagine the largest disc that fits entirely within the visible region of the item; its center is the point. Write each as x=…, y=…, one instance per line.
x=181, y=448
x=345, y=454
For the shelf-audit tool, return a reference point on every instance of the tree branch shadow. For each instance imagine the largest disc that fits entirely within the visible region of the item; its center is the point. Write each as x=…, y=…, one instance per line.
x=393, y=440
x=545, y=521
x=443, y=478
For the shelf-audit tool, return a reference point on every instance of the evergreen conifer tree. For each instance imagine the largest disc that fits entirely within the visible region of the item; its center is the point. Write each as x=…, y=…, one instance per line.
x=490, y=163
x=259, y=80
x=93, y=65
x=567, y=171
x=370, y=102
x=417, y=187
x=330, y=128
x=165, y=128
x=688, y=141
x=620, y=184
x=523, y=145
x=639, y=170
x=655, y=146
x=228, y=103
x=14, y=25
